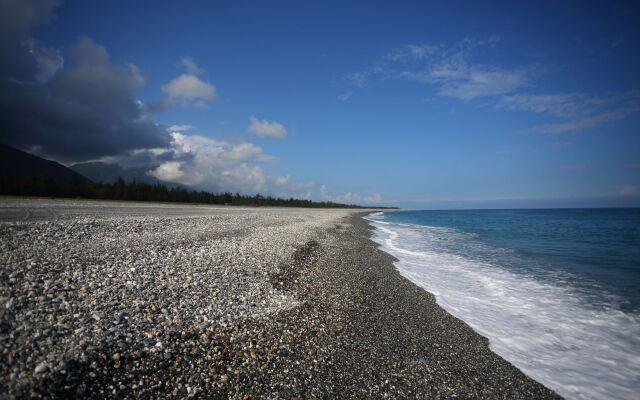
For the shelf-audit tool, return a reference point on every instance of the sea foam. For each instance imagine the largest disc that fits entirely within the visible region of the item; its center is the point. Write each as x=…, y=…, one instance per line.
x=546, y=330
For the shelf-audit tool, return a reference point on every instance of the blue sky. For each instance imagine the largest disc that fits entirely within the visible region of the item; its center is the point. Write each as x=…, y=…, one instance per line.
x=417, y=104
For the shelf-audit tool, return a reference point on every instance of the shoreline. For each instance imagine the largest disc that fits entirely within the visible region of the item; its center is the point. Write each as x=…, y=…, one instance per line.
x=572, y=331
x=406, y=340
x=299, y=312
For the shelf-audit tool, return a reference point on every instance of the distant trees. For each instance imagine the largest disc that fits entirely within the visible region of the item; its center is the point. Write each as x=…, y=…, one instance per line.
x=134, y=191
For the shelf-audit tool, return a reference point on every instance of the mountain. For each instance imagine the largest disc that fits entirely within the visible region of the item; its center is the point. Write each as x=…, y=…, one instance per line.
x=15, y=163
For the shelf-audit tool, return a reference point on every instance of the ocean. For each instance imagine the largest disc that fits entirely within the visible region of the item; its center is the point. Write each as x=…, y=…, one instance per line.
x=556, y=292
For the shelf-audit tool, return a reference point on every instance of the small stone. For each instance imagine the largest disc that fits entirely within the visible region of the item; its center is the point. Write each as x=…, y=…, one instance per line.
x=9, y=304
x=42, y=367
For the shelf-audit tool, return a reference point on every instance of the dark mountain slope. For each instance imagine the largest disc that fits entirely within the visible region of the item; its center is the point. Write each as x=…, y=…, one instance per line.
x=15, y=163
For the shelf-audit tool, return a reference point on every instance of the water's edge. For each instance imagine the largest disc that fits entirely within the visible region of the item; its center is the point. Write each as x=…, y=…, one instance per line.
x=502, y=344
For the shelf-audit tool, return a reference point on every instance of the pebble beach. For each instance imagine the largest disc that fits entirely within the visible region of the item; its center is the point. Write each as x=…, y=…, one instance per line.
x=122, y=300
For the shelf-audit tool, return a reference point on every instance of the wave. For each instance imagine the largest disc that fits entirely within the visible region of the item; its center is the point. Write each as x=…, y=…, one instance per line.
x=546, y=329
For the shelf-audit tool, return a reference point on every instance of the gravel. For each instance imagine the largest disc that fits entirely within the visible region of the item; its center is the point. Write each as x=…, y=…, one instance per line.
x=278, y=303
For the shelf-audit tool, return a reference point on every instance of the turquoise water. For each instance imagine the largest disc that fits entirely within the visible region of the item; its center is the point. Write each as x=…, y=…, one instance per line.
x=557, y=292
x=594, y=251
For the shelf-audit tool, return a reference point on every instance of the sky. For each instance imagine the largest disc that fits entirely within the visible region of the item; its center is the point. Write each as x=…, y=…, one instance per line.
x=424, y=105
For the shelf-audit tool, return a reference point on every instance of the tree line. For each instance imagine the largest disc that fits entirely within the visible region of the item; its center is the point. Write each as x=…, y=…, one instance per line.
x=137, y=191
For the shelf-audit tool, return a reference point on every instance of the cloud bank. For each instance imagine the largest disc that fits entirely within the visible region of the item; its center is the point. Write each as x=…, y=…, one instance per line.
x=217, y=165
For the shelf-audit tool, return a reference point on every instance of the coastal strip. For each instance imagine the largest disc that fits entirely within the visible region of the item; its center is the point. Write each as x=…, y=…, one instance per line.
x=269, y=303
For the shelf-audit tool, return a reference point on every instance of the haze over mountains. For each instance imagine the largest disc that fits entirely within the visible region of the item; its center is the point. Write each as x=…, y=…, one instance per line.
x=23, y=174
x=108, y=173
x=16, y=163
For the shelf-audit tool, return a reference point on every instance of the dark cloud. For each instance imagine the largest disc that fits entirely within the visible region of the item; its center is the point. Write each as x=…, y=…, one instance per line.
x=19, y=17
x=27, y=61
x=85, y=111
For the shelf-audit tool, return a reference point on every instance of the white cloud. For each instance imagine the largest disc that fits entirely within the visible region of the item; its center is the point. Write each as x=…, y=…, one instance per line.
x=345, y=96
x=471, y=84
x=170, y=171
x=454, y=72
x=303, y=185
x=217, y=166
x=265, y=128
x=576, y=111
x=252, y=177
x=282, y=180
x=586, y=122
x=191, y=66
x=412, y=52
x=213, y=164
x=352, y=198
x=188, y=89
x=179, y=128
x=156, y=152
x=359, y=78
x=559, y=105
x=200, y=104
x=449, y=69
x=324, y=194
x=242, y=152
x=299, y=195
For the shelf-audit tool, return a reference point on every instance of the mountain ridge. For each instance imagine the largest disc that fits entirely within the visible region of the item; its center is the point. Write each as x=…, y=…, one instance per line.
x=16, y=163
